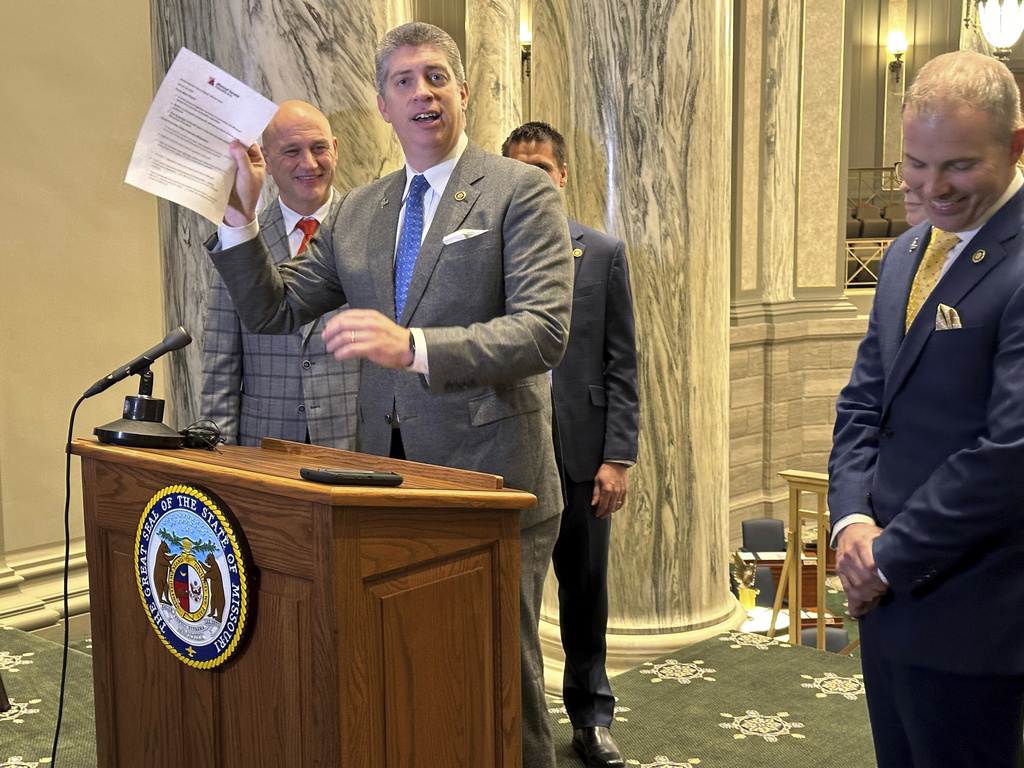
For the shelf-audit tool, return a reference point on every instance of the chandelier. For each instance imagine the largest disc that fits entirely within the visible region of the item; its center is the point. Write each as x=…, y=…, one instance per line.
x=1001, y=22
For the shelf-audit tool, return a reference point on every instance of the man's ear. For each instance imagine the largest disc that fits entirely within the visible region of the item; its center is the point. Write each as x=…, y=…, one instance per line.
x=1017, y=144
x=382, y=107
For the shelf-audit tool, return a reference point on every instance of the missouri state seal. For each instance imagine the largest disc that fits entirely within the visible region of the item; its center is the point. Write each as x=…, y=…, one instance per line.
x=193, y=575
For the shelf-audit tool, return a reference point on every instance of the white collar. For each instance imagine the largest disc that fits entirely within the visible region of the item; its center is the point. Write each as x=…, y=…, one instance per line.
x=438, y=175
x=291, y=218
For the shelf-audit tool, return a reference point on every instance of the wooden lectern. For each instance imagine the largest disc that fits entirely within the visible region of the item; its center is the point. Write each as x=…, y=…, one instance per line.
x=386, y=622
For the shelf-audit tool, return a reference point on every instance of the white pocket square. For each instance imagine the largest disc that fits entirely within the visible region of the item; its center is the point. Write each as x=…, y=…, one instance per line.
x=946, y=319
x=461, y=234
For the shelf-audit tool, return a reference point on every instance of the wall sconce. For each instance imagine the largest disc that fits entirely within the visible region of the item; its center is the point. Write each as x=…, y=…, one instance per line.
x=896, y=44
x=1001, y=23
x=525, y=45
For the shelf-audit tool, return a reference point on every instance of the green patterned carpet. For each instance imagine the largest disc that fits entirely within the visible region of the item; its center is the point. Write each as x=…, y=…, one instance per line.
x=30, y=667
x=735, y=700
x=738, y=700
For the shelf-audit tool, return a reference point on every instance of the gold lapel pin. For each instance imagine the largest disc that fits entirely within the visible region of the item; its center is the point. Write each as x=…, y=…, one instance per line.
x=577, y=252
x=978, y=256
x=460, y=195
x=383, y=202
x=913, y=244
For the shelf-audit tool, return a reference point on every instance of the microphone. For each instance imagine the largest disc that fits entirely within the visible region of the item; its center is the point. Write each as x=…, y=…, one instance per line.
x=176, y=339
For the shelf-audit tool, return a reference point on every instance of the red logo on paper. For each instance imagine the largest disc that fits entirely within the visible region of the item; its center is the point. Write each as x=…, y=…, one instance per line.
x=211, y=81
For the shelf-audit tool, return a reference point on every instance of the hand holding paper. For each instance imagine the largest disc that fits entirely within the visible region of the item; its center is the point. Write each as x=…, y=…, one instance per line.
x=250, y=173
x=183, y=153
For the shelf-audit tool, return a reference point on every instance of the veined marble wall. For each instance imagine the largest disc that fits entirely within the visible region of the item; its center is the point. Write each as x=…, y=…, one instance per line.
x=320, y=51
x=492, y=70
x=642, y=92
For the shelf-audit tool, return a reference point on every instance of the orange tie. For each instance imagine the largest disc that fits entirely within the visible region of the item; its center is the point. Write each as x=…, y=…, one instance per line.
x=308, y=227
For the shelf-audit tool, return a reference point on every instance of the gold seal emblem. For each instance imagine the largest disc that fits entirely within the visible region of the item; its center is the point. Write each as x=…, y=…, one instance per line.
x=978, y=256
x=460, y=195
x=577, y=252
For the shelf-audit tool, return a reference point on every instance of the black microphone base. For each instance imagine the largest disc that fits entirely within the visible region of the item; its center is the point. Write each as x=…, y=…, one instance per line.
x=142, y=426
x=139, y=434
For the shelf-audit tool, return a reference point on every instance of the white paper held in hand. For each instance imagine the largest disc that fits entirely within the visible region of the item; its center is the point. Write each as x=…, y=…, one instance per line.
x=182, y=153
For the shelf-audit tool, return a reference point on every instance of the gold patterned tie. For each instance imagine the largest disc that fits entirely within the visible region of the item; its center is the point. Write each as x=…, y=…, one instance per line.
x=928, y=270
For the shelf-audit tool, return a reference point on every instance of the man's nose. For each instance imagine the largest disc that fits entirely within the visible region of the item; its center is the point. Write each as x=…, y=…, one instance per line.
x=423, y=88
x=936, y=184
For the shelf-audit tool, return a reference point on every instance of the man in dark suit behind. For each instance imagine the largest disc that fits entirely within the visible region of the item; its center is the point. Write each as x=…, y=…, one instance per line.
x=927, y=469
x=597, y=417
x=287, y=386
x=458, y=269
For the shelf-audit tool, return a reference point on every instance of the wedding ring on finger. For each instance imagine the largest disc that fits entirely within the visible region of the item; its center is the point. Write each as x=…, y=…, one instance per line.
x=352, y=336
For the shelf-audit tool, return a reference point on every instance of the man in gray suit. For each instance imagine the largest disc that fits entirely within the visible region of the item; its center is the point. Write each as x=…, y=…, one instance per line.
x=458, y=269
x=597, y=412
x=288, y=386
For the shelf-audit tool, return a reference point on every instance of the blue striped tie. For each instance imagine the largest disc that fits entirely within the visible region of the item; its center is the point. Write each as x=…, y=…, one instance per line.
x=409, y=242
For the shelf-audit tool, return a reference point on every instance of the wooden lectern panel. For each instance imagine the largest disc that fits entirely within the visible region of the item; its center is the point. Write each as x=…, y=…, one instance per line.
x=385, y=630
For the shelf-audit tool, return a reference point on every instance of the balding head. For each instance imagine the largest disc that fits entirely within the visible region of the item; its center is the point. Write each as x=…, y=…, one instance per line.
x=301, y=155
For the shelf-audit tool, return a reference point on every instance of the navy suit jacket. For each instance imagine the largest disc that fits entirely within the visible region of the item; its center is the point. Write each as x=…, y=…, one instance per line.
x=595, y=386
x=929, y=440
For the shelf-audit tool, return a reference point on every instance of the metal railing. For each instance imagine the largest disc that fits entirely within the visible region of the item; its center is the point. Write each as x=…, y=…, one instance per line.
x=863, y=259
x=879, y=187
x=876, y=186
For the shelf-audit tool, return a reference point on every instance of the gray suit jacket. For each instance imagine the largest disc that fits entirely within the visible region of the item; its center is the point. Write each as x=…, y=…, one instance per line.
x=275, y=386
x=494, y=309
x=595, y=386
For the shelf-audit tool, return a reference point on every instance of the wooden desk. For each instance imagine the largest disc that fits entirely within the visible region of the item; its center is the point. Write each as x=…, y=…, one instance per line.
x=386, y=623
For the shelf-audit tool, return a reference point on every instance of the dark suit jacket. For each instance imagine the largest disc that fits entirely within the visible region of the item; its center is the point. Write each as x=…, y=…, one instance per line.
x=494, y=309
x=257, y=386
x=929, y=440
x=595, y=386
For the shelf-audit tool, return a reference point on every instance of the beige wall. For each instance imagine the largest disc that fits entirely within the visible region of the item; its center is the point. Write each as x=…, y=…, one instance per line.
x=79, y=261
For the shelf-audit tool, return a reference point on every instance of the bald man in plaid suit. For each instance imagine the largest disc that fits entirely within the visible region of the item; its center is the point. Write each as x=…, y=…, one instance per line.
x=288, y=386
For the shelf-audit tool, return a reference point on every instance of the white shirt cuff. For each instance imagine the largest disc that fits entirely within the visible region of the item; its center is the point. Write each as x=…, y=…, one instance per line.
x=849, y=520
x=229, y=237
x=419, y=360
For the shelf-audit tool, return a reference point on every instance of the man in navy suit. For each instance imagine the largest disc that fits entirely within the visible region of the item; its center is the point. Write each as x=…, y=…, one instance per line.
x=287, y=386
x=597, y=416
x=927, y=467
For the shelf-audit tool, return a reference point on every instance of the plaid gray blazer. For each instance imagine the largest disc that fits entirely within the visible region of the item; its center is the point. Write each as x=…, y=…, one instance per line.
x=257, y=386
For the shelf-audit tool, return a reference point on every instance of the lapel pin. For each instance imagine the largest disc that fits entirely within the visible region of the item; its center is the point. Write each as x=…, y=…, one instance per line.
x=383, y=202
x=460, y=195
x=913, y=244
x=978, y=256
x=577, y=252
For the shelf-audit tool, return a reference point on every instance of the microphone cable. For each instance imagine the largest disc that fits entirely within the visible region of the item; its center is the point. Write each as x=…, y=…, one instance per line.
x=67, y=568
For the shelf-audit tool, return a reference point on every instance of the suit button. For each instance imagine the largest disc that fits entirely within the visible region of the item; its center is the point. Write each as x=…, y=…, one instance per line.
x=387, y=418
x=886, y=432
x=305, y=364
x=302, y=409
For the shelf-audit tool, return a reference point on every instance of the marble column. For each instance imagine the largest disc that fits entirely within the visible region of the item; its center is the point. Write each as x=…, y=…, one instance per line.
x=493, y=65
x=649, y=92
x=320, y=51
